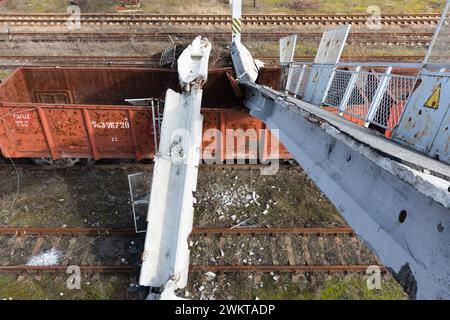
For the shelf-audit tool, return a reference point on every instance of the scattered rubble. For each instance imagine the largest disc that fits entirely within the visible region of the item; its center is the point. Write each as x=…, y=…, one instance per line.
x=47, y=258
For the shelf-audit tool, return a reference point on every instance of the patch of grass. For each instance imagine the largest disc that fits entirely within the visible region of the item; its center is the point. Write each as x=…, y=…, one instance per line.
x=348, y=288
x=310, y=49
x=355, y=288
x=272, y=48
x=4, y=73
x=298, y=201
x=35, y=5
x=286, y=199
x=53, y=288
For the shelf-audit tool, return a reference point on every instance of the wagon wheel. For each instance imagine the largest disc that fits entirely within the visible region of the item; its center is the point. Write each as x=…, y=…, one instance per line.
x=66, y=162
x=87, y=162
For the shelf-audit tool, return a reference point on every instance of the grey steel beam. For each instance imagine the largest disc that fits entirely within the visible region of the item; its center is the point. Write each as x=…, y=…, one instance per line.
x=382, y=190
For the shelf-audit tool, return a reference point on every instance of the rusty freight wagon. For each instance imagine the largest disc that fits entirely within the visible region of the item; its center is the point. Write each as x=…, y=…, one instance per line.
x=81, y=113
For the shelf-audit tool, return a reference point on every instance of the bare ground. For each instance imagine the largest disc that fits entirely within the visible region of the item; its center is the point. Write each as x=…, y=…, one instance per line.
x=91, y=197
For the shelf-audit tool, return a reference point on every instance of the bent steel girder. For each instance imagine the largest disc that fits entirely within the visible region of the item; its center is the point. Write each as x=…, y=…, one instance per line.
x=378, y=186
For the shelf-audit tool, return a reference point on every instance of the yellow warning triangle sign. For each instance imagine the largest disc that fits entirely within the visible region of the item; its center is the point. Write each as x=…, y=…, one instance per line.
x=433, y=101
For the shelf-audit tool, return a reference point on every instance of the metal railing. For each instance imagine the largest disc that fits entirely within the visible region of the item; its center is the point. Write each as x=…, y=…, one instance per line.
x=297, y=78
x=363, y=96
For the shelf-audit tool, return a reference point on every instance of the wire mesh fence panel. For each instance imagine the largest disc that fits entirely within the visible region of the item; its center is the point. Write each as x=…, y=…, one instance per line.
x=301, y=86
x=394, y=100
x=338, y=88
x=294, y=76
x=362, y=95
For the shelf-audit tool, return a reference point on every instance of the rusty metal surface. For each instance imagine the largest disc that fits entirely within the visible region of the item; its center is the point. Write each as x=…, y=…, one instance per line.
x=63, y=269
x=110, y=86
x=66, y=231
x=272, y=231
x=269, y=76
x=80, y=113
x=96, y=131
x=284, y=269
x=195, y=231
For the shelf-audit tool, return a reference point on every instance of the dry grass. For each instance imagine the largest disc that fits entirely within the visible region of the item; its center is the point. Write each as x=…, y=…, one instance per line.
x=133, y=48
x=86, y=49
x=4, y=73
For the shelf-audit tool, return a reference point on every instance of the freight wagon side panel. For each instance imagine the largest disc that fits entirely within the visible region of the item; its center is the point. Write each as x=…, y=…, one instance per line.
x=21, y=133
x=230, y=134
x=96, y=132
x=72, y=131
x=107, y=86
x=14, y=88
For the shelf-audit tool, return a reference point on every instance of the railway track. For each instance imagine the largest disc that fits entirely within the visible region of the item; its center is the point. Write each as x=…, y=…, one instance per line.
x=285, y=250
x=197, y=269
x=355, y=38
x=145, y=61
x=195, y=20
x=22, y=231
x=137, y=166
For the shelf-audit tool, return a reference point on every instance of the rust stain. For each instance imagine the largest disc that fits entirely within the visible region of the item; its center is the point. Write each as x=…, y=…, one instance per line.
x=99, y=93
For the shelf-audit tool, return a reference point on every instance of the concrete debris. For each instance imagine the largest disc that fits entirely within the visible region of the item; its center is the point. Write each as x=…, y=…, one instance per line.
x=47, y=258
x=255, y=198
x=230, y=197
x=210, y=275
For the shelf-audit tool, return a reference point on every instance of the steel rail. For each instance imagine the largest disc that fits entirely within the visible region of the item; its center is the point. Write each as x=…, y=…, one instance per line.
x=218, y=19
x=152, y=60
x=354, y=38
x=199, y=268
x=283, y=269
x=139, y=165
x=196, y=231
x=272, y=231
x=66, y=231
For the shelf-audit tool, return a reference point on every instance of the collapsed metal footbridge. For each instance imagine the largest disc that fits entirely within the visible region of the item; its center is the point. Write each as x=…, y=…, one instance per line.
x=373, y=136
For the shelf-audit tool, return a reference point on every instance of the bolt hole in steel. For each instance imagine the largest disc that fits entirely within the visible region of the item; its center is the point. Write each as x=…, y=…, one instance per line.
x=402, y=216
x=349, y=158
x=420, y=112
x=410, y=119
